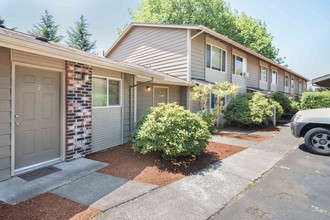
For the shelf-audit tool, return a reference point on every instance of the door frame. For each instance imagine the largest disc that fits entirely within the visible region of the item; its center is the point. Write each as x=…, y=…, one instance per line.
x=62, y=116
x=161, y=87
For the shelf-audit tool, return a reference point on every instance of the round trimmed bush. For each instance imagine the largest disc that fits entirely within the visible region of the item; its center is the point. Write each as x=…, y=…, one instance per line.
x=249, y=109
x=172, y=130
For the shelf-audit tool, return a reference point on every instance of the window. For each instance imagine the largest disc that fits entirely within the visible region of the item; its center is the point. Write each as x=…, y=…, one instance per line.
x=263, y=73
x=286, y=81
x=292, y=83
x=238, y=65
x=106, y=92
x=213, y=101
x=215, y=58
x=274, y=77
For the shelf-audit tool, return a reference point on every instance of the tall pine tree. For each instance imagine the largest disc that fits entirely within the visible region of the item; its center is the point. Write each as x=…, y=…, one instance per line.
x=79, y=37
x=2, y=21
x=46, y=28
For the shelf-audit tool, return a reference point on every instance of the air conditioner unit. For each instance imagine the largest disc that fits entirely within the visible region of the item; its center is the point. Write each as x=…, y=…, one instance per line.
x=246, y=74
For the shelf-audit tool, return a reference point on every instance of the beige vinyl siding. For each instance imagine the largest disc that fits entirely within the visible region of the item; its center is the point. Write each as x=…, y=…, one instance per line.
x=280, y=80
x=128, y=106
x=183, y=96
x=253, y=69
x=145, y=98
x=5, y=111
x=106, y=128
x=160, y=49
x=296, y=84
x=106, y=121
x=29, y=58
x=229, y=64
x=198, y=56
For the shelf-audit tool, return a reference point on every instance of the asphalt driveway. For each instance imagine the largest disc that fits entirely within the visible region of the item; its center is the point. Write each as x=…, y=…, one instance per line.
x=296, y=188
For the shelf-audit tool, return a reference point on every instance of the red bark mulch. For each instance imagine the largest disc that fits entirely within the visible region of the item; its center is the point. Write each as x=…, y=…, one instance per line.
x=153, y=169
x=46, y=206
x=248, y=137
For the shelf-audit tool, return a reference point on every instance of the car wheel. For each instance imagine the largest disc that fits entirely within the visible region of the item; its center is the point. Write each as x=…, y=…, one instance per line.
x=317, y=140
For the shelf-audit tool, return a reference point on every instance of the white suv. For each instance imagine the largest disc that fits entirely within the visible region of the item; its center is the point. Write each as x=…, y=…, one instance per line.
x=314, y=126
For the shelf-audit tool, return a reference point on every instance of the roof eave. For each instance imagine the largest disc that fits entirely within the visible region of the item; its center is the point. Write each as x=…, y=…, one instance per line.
x=18, y=44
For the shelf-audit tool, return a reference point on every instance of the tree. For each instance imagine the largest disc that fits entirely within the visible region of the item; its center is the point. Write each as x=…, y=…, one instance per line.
x=214, y=14
x=46, y=28
x=2, y=21
x=79, y=37
x=201, y=94
x=221, y=90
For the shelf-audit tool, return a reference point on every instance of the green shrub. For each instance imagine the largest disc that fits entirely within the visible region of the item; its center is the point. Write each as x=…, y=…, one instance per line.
x=209, y=117
x=295, y=106
x=311, y=100
x=172, y=130
x=289, y=106
x=279, y=109
x=249, y=109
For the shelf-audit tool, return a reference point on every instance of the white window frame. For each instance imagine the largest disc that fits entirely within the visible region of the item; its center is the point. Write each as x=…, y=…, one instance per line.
x=162, y=87
x=292, y=83
x=120, y=92
x=262, y=66
x=274, y=71
x=221, y=49
x=244, y=70
x=285, y=80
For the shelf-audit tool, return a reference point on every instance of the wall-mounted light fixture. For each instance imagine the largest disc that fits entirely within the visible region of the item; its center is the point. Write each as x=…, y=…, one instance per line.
x=85, y=77
x=148, y=88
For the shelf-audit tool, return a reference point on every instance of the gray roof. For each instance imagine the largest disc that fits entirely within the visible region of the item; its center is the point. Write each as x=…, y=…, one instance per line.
x=14, y=39
x=323, y=81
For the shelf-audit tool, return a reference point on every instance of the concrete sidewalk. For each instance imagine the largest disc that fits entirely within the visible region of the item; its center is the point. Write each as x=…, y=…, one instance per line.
x=202, y=195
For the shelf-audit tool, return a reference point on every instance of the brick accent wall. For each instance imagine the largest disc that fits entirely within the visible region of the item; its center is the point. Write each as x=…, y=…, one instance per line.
x=78, y=110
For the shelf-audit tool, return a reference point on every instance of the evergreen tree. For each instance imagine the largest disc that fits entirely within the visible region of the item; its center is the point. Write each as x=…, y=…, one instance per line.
x=46, y=28
x=2, y=21
x=79, y=37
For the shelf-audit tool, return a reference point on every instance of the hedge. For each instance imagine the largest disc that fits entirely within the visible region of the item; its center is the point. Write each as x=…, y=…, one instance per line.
x=311, y=100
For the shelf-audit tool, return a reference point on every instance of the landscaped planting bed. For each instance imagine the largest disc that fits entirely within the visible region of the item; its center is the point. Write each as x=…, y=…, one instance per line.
x=47, y=206
x=151, y=168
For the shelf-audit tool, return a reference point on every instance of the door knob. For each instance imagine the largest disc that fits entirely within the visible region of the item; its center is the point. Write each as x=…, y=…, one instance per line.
x=16, y=115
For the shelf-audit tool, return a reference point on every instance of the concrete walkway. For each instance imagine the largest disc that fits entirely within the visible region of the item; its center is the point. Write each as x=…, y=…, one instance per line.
x=16, y=190
x=202, y=195
x=233, y=141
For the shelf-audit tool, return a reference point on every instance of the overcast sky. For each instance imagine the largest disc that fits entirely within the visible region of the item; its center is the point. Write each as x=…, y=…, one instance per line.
x=301, y=28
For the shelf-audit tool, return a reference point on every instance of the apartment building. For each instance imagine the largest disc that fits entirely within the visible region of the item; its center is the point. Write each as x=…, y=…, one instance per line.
x=200, y=55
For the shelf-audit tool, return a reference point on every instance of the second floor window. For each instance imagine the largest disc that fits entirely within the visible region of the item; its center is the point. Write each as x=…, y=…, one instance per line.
x=215, y=58
x=292, y=83
x=286, y=81
x=263, y=73
x=238, y=65
x=274, y=77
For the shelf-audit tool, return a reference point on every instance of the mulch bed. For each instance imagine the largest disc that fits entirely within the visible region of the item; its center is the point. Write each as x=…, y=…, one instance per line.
x=248, y=137
x=153, y=169
x=46, y=206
